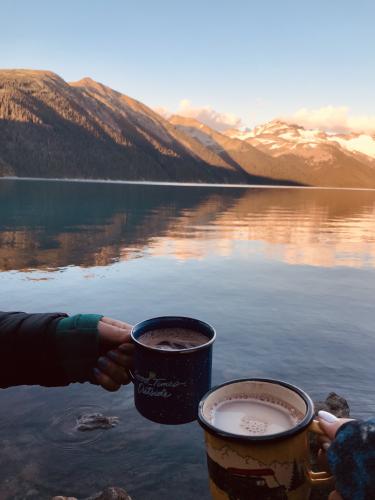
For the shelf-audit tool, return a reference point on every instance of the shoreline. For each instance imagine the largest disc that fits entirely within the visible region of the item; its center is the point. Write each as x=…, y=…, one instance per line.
x=182, y=184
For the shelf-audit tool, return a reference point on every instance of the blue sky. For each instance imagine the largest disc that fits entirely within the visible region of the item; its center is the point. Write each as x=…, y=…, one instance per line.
x=252, y=59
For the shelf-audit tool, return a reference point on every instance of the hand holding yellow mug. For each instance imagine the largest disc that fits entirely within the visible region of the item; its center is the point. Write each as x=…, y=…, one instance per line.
x=330, y=425
x=256, y=433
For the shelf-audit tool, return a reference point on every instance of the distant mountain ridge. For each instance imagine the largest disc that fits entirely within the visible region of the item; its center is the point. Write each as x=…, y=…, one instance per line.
x=279, y=136
x=51, y=128
x=344, y=159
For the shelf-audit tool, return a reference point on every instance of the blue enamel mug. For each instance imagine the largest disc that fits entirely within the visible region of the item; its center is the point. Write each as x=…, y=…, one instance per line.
x=168, y=384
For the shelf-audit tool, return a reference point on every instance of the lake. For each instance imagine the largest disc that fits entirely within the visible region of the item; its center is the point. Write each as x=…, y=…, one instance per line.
x=286, y=276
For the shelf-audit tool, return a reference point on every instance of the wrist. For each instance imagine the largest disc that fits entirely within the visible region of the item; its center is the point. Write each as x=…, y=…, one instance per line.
x=77, y=345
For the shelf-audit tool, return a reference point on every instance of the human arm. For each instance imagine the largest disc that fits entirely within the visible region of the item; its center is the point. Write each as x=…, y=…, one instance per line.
x=55, y=350
x=351, y=456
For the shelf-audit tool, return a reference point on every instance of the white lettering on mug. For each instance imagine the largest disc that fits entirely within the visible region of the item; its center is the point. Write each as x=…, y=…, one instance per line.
x=150, y=391
x=156, y=387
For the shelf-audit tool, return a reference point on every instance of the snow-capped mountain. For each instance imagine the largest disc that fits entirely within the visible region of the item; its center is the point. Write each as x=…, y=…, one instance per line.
x=84, y=129
x=279, y=138
x=284, y=152
x=239, y=155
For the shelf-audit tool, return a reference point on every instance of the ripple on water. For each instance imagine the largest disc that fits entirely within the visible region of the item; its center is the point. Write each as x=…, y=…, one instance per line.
x=62, y=430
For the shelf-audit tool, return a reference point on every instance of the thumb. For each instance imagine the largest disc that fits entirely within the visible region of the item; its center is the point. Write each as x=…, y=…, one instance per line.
x=330, y=423
x=112, y=335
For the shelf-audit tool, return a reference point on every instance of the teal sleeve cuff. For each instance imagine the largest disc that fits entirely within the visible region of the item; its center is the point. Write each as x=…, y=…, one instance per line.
x=77, y=345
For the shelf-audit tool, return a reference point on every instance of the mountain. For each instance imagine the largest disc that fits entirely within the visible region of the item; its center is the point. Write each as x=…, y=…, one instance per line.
x=49, y=128
x=315, y=157
x=239, y=154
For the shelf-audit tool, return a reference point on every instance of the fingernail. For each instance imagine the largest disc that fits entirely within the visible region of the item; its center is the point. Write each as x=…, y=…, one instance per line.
x=113, y=355
x=325, y=446
x=97, y=372
x=327, y=417
x=102, y=362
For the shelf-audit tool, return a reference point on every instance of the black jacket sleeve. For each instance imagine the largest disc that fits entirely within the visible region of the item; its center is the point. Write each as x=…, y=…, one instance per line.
x=44, y=350
x=27, y=349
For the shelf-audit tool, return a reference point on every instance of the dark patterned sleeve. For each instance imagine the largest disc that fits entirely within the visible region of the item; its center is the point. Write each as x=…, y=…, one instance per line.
x=352, y=460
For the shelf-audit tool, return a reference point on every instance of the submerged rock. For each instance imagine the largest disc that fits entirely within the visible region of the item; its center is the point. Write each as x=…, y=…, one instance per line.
x=334, y=404
x=64, y=498
x=110, y=493
x=92, y=421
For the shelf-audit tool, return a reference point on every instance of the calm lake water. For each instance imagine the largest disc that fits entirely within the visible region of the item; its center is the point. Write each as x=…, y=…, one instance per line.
x=287, y=277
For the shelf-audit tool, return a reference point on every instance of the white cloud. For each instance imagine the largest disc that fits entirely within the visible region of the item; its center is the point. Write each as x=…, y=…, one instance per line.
x=328, y=118
x=208, y=116
x=164, y=112
x=332, y=118
x=204, y=114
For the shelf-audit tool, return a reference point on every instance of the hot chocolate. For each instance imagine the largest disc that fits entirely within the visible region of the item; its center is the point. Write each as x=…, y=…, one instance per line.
x=253, y=417
x=173, y=339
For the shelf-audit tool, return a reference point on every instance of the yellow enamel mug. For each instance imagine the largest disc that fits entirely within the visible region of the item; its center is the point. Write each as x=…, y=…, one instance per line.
x=273, y=466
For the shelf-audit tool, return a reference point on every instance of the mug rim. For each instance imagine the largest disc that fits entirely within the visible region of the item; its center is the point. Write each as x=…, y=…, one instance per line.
x=171, y=319
x=301, y=426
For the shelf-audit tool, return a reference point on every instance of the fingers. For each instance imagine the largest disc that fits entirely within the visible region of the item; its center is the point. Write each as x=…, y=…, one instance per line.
x=324, y=442
x=116, y=322
x=331, y=424
x=335, y=496
x=105, y=381
x=120, y=358
x=116, y=372
x=112, y=335
x=126, y=349
x=117, y=354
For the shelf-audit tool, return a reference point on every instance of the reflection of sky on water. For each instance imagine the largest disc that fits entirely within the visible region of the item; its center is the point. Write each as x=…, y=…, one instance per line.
x=225, y=256
x=49, y=225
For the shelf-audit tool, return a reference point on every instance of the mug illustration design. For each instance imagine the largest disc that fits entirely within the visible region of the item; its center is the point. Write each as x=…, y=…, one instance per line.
x=255, y=479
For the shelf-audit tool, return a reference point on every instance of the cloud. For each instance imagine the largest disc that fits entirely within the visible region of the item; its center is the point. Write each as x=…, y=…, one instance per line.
x=204, y=114
x=332, y=118
x=328, y=118
x=164, y=112
x=208, y=116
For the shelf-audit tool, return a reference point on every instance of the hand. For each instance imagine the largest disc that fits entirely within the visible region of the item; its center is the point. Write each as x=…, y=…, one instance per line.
x=116, y=351
x=330, y=425
x=335, y=496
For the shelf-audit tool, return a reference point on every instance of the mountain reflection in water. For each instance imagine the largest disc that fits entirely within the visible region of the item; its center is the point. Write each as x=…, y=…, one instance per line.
x=286, y=276
x=49, y=225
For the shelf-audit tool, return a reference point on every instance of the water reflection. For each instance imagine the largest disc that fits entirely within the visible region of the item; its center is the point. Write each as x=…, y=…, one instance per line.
x=48, y=225
x=310, y=326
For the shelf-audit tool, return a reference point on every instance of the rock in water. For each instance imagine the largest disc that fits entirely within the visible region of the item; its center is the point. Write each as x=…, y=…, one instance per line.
x=111, y=493
x=334, y=404
x=92, y=421
x=64, y=498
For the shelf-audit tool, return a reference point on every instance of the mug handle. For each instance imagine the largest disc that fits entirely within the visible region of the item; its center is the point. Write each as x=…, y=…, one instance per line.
x=318, y=478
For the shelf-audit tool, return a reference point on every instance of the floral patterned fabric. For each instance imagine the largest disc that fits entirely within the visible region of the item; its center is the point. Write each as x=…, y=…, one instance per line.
x=352, y=460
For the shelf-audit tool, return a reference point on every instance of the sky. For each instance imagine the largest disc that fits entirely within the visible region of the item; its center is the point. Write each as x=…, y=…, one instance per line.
x=237, y=63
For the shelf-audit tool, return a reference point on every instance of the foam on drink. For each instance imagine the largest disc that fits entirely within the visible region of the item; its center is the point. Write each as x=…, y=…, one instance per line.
x=173, y=339
x=252, y=417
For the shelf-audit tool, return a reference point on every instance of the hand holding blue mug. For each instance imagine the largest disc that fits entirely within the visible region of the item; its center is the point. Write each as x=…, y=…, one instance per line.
x=172, y=367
